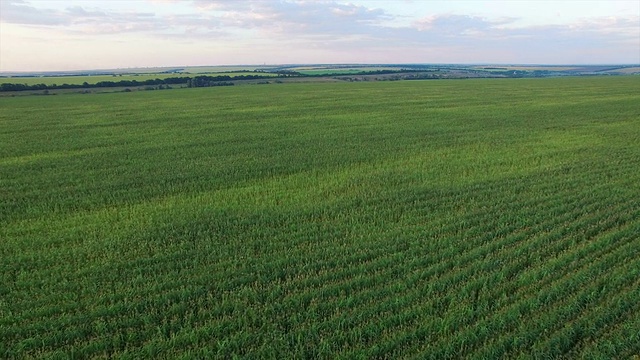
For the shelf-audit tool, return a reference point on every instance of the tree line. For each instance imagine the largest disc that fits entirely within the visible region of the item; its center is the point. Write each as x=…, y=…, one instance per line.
x=197, y=81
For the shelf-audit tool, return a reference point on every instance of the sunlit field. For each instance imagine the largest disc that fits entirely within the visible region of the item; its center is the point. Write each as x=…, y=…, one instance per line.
x=417, y=219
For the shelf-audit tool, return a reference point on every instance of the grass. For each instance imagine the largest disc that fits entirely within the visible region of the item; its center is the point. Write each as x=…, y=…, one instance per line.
x=424, y=219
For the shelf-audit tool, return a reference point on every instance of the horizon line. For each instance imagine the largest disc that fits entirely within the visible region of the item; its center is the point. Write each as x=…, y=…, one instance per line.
x=264, y=65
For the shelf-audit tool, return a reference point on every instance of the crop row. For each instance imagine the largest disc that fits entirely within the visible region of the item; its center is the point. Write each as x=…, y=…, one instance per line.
x=327, y=221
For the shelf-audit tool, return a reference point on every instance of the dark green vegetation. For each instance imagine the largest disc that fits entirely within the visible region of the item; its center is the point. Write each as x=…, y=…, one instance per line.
x=424, y=219
x=453, y=70
x=48, y=83
x=223, y=76
x=94, y=79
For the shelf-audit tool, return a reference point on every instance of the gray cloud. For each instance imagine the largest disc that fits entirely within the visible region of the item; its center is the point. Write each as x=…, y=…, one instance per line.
x=79, y=19
x=20, y=12
x=594, y=40
x=78, y=11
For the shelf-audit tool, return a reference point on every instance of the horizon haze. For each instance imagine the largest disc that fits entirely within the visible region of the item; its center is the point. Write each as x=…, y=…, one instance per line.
x=37, y=35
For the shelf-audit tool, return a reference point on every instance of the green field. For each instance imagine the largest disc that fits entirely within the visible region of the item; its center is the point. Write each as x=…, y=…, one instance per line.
x=416, y=219
x=222, y=68
x=79, y=80
x=316, y=71
x=93, y=79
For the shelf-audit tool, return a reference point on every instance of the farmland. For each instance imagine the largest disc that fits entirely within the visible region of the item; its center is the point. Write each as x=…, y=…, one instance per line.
x=479, y=218
x=78, y=80
x=328, y=70
x=100, y=81
x=93, y=79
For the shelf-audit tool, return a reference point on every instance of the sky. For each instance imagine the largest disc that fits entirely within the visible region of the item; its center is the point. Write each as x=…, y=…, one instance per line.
x=52, y=35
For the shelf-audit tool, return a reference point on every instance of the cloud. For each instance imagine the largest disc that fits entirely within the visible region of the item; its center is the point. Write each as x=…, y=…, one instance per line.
x=20, y=12
x=205, y=5
x=294, y=17
x=345, y=28
x=461, y=28
x=80, y=12
x=78, y=19
x=279, y=19
x=458, y=24
x=612, y=27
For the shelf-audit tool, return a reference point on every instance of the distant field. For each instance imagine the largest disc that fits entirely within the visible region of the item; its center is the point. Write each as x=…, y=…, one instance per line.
x=449, y=219
x=190, y=69
x=78, y=80
x=527, y=68
x=629, y=70
x=582, y=69
x=340, y=71
x=213, y=69
x=330, y=71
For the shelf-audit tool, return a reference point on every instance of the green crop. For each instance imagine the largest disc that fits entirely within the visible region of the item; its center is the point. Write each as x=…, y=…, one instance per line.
x=93, y=79
x=418, y=219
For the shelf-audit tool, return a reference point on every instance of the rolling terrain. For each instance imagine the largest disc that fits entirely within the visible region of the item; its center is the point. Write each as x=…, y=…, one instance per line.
x=479, y=218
